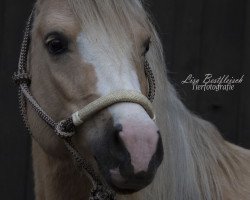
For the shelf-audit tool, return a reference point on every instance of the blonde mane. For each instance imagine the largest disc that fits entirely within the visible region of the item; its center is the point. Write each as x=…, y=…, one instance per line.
x=198, y=163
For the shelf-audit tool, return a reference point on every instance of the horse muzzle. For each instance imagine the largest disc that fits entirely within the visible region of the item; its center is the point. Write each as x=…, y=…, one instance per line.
x=129, y=154
x=131, y=150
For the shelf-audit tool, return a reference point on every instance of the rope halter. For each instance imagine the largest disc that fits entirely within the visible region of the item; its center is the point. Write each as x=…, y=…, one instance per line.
x=66, y=128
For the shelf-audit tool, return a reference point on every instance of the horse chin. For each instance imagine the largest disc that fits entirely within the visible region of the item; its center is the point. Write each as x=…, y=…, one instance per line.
x=121, y=185
x=123, y=191
x=121, y=188
x=115, y=181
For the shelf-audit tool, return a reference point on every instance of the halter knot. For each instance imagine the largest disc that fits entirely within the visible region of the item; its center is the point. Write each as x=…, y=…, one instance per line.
x=21, y=77
x=65, y=128
x=100, y=192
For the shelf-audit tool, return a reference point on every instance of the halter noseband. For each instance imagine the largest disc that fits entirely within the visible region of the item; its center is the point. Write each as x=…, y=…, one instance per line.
x=66, y=128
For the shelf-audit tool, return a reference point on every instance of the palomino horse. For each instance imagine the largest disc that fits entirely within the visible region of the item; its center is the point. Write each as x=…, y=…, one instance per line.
x=82, y=50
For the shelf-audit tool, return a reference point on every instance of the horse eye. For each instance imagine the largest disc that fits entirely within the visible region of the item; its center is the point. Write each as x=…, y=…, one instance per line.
x=56, y=44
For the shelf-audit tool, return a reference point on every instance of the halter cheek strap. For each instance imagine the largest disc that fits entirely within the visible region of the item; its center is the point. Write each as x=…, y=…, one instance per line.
x=66, y=128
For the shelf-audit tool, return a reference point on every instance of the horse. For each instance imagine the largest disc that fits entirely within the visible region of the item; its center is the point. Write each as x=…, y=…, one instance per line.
x=83, y=50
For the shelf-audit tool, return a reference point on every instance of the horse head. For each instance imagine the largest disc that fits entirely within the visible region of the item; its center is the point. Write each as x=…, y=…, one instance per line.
x=81, y=51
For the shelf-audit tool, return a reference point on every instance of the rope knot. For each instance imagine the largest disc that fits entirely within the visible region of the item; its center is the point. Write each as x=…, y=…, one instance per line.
x=65, y=128
x=21, y=77
x=100, y=192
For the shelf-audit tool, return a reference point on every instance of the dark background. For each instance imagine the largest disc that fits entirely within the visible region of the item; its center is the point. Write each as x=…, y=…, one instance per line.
x=199, y=37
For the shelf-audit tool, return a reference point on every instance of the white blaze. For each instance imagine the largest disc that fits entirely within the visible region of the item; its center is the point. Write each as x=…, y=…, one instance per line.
x=113, y=71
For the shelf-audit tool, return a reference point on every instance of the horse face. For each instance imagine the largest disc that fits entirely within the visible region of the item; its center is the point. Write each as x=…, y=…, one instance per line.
x=75, y=63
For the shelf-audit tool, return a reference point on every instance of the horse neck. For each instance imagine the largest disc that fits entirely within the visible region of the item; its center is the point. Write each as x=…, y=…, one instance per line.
x=198, y=162
x=57, y=178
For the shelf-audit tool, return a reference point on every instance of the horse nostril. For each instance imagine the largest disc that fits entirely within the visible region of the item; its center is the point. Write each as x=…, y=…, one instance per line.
x=118, y=128
x=116, y=131
x=116, y=145
x=116, y=135
x=141, y=175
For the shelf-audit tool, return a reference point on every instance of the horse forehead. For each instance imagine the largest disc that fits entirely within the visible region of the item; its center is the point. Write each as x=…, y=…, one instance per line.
x=113, y=67
x=56, y=16
x=116, y=47
x=101, y=51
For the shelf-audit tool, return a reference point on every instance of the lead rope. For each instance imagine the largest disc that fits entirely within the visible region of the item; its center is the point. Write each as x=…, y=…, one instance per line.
x=65, y=129
x=100, y=191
